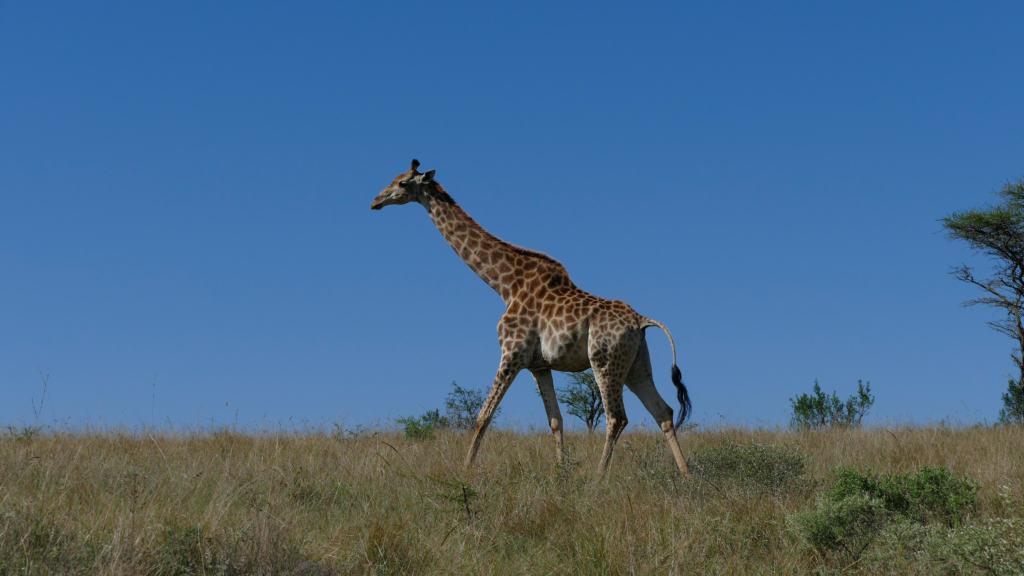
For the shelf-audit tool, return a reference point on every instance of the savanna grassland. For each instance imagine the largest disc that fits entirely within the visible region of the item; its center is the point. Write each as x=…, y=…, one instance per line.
x=378, y=503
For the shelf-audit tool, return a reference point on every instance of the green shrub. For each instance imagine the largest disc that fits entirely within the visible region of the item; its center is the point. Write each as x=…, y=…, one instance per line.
x=933, y=494
x=423, y=427
x=985, y=546
x=582, y=398
x=1012, y=411
x=758, y=468
x=462, y=405
x=846, y=525
x=820, y=410
x=859, y=505
x=995, y=546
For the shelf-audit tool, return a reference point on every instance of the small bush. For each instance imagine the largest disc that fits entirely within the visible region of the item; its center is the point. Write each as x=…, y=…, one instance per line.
x=1012, y=411
x=846, y=526
x=462, y=405
x=582, y=398
x=423, y=427
x=933, y=494
x=820, y=410
x=996, y=546
x=988, y=546
x=756, y=467
x=858, y=506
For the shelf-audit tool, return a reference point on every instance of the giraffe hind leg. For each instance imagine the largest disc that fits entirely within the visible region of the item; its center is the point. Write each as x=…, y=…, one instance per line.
x=641, y=382
x=615, y=418
x=610, y=367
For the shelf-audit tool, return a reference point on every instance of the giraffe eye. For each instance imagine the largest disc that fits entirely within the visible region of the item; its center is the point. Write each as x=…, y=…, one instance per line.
x=403, y=183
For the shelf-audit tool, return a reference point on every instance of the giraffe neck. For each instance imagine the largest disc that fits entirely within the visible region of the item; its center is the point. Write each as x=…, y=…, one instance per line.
x=490, y=257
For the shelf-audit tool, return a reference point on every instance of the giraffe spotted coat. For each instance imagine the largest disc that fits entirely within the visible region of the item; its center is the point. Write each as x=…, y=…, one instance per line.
x=549, y=323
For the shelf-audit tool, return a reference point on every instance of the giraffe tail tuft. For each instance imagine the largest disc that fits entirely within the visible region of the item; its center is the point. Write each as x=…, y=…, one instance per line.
x=682, y=394
x=685, y=407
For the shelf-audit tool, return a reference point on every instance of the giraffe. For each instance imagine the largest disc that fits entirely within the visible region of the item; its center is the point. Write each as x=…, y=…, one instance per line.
x=549, y=324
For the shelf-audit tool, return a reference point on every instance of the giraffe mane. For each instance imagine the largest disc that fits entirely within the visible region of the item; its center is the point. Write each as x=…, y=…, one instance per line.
x=532, y=253
x=439, y=193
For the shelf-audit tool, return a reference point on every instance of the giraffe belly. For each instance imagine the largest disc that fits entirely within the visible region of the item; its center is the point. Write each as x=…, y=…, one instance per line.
x=565, y=353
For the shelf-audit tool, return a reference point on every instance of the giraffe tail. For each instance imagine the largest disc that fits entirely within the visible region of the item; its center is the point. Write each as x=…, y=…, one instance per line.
x=685, y=407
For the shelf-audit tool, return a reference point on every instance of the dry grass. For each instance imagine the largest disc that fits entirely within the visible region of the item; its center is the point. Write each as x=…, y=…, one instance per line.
x=317, y=503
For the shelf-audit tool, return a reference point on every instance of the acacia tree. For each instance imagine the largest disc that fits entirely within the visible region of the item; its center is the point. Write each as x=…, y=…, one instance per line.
x=998, y=232
x=582, y=398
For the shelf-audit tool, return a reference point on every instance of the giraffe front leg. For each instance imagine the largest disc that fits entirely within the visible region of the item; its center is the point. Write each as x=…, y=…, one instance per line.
x=546, y=387
x=507, y=372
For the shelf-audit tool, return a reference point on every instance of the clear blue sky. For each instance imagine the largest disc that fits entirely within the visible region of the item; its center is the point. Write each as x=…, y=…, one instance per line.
x=185, y=233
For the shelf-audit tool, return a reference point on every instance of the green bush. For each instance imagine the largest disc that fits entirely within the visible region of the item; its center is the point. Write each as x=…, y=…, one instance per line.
x=758, y=468
x=582, y=398
x=859, y=505
x=995, y=546
x=844, y=526
x=820, y=410
x=423, y=427
x=933, y=494
x=462, y=405
x=1012, y=411
x=985, y=546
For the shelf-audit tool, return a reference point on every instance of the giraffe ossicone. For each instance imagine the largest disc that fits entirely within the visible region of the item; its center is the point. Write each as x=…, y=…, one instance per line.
x=549, y=323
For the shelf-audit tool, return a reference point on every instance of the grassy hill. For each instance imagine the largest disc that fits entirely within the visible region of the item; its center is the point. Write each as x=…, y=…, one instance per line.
x=377, y=503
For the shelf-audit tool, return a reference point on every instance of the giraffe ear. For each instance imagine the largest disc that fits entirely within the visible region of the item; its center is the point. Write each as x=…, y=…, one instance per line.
x=415, y=164
x=429, y=176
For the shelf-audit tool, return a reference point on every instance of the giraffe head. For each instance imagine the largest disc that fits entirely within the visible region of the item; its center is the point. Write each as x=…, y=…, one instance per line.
x=408, y=187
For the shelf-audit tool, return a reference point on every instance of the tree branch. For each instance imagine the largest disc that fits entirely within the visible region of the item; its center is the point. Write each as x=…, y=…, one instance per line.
x=964, y=274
